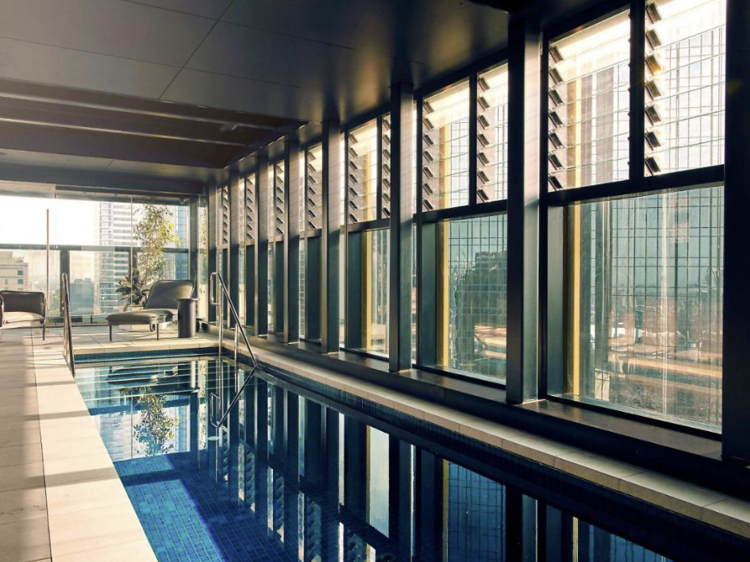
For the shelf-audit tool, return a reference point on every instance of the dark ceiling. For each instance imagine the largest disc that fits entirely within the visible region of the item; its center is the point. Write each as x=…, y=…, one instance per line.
x=179, y=89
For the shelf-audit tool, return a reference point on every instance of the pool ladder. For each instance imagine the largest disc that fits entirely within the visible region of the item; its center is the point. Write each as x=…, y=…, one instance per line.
x=239, y=330
x=67, y=325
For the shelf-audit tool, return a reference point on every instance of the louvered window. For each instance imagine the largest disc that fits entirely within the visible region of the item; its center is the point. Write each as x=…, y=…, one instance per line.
x=385, y=143
x=250, y=218
x=589, y=104
x=685, y=84
x=362, y=173
x=445, y=148
x=314, y=188
x=279, y=217
x=224, y=196
x=492, y=135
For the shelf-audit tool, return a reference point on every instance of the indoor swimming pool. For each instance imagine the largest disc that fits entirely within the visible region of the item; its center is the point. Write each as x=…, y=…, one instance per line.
x=305, y=473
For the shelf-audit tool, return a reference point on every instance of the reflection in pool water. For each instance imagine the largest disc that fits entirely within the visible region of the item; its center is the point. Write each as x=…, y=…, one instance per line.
x=290, y=477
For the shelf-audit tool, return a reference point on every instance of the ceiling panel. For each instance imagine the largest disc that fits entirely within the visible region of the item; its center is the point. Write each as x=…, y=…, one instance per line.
x=30, y=62
x=332, y=22
x=414, y=30
x=206, y=8
x=342, y=79
x=241, y=94
x=252, y=53
x=109, y=27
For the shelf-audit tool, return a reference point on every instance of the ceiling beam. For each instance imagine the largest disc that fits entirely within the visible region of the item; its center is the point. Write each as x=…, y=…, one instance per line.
x=12, y=89
x=98, y=179
x=97, y=144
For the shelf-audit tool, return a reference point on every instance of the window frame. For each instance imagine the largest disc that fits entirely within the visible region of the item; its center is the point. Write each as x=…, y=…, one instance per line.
x=553, y=204
x=352, y=232
x=425, y=221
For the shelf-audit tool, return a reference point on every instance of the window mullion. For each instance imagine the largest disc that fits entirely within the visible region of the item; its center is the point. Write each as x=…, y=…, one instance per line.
x=637, y=90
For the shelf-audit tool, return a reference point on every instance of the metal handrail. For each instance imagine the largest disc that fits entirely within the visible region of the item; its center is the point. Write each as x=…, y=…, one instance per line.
x=238, y=330
x=67, y=325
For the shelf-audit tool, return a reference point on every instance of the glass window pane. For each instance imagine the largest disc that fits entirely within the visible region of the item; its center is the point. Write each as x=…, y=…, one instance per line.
x=492, y=135
x=26, y=270
x=375, y=259
x=362, y=173
x=644, y=300
x=685, y=84
x=302, y=289
x=589, y=104
x=472, y=293
x=445, y=148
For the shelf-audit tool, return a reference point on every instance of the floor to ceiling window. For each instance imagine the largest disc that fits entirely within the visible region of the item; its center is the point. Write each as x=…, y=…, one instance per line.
x=96, y=242
x=463, y=169
x=368, y=242
x=643, y=284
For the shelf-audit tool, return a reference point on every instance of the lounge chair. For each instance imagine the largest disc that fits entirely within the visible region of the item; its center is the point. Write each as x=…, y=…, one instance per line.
x=160, y=307
x=23, y=309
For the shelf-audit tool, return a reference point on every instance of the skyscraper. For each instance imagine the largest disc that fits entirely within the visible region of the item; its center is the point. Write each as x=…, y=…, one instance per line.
x=14, y=272
x=115, y=230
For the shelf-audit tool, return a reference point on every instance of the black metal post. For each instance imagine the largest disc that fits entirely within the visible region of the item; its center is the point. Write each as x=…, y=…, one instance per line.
x=523, y=210
x=261, y=244
x=330, y=238
x=736, y=383
x=236, y=236
x=291, y=238
x=402, y=217
x=212, y=230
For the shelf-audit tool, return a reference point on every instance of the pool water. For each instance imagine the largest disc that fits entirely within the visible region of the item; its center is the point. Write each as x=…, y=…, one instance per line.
x=294, y=476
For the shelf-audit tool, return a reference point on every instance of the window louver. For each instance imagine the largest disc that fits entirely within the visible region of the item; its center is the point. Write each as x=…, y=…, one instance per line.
x=278, y=198
x=250, y=218
x=685, y=84
x=589, y=105
x=362, y=173
x=313, y=188
x=386, y=167
x=492, y=135
x=224, y=195
x=445, y=148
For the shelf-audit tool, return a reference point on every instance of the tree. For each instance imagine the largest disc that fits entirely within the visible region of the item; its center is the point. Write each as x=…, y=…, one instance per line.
x=154, y=232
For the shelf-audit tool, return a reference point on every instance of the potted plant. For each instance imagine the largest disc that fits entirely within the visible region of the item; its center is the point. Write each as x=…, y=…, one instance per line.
x=154, y=232
x=132, y=290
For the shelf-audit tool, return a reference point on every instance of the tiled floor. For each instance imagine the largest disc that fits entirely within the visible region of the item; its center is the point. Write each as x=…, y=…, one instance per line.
x=60, y=496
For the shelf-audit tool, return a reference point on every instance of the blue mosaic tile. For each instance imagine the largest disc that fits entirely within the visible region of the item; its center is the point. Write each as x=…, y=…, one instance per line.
x=188, y=516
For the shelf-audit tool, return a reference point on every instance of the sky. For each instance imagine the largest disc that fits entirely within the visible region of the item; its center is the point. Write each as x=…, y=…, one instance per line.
x=23, y=221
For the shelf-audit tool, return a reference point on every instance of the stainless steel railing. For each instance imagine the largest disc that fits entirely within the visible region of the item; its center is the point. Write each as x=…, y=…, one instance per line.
x=67, y=325
x=239, y=330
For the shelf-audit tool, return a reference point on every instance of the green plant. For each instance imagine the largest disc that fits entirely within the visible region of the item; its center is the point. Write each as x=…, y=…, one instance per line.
x=154, y=232
x=131, y=289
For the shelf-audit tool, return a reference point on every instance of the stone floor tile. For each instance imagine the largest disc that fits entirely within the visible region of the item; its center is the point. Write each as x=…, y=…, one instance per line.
x=92, y=529
x=25, y=541
x=19, y=505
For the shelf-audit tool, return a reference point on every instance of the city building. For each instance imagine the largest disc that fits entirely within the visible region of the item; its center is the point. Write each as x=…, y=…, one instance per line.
x=14, y=272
